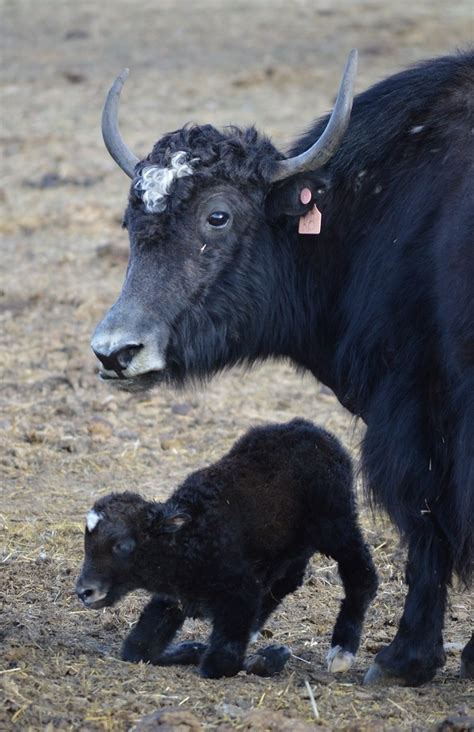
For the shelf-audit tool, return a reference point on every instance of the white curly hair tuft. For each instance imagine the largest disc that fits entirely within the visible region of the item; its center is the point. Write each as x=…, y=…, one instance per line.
x=154, y=183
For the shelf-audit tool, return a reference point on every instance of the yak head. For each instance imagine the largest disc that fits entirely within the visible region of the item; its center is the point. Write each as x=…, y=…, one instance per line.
x=203, y=219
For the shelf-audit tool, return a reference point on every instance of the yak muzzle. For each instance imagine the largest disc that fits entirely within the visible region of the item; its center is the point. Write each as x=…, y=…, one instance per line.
x=115, y=358
x=129, y=344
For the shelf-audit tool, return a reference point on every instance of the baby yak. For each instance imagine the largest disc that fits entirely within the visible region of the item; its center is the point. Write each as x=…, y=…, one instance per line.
x=228, y=545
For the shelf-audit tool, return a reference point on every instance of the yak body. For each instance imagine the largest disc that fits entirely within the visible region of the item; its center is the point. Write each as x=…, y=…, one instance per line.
x=379, y=306
x=228, y=545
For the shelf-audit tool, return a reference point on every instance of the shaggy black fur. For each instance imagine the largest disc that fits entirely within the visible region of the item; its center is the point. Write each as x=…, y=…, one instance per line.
x=379, y=306
x=229, y=545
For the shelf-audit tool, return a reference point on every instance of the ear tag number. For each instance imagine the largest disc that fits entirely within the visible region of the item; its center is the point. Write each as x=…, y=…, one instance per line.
x=310, y=223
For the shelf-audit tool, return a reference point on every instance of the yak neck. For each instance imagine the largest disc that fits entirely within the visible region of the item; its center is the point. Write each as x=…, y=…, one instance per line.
x=304, y=319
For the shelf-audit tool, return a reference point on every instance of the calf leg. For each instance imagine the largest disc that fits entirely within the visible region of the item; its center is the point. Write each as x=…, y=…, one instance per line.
x=290, y=582
x=158, y=624
x=417, y=651
x=234, y=612
x=271, y=660
x=359, y=579
x=467, y=660
x=187, y=653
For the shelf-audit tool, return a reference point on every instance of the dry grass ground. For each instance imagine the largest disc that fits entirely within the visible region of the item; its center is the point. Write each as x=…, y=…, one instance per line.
x=65, y=439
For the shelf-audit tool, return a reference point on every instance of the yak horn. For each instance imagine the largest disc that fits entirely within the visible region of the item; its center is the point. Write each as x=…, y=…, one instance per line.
x=327, y=144
x=114, y=143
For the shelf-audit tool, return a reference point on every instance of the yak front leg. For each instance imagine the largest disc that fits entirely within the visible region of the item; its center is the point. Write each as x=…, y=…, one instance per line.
x=467, y=660
x=416, y=652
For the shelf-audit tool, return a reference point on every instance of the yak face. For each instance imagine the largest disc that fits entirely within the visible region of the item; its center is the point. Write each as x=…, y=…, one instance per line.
x=201, y=274
x=194, y=280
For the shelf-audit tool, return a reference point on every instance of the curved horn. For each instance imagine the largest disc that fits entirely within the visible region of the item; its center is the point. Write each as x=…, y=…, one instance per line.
x=327, y=144
x=124, y=158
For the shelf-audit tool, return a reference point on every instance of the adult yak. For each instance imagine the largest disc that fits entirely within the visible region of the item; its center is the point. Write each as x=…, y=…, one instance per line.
x=226, y=267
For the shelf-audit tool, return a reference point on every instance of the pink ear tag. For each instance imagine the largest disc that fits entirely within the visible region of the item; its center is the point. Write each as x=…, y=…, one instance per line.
x=310, y=223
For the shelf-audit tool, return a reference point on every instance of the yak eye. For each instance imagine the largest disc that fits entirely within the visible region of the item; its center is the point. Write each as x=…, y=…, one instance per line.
x=218, y=219
x=124, y=548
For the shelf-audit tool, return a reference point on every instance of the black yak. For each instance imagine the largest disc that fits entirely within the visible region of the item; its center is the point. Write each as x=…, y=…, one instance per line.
x=229, y=544
x=226, y=266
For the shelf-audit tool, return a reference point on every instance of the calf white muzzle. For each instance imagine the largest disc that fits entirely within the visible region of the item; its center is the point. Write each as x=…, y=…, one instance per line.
x=90, y=594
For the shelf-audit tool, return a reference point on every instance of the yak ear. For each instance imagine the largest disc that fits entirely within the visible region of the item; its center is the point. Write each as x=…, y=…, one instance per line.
x=296, y=196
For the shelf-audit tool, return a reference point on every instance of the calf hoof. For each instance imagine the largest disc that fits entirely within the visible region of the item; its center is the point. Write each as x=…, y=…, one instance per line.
x=467, y=669
x=217, y=664
x=339, y=660
x=267, y=661
x=133, y=653
x=187, y=653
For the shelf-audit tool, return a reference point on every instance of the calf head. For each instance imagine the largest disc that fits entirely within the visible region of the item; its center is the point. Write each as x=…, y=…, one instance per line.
x=123, y=532
x=199, y=218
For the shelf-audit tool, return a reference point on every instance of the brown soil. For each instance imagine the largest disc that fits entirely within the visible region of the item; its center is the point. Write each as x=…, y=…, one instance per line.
x=66, y=439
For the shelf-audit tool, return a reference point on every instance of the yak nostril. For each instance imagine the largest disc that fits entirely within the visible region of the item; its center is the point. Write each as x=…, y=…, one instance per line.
x=126, y=355
x=120, y=358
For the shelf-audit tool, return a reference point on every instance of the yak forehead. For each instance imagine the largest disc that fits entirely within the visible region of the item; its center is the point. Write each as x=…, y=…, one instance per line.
x=153, y=183
x=196, y=153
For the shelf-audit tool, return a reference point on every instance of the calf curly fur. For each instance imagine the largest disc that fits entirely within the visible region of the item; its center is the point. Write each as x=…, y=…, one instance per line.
x=229, y=545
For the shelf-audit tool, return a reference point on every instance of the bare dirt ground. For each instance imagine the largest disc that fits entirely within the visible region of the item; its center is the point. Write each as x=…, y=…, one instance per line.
x=66, y=439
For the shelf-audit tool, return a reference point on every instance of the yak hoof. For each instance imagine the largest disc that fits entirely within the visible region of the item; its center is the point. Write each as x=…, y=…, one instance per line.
x=267, y=661
x=378, y=676
x=339, y=660
x=467, y=669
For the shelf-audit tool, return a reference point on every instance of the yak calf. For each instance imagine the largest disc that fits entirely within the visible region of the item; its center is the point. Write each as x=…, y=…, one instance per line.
x=228, y=545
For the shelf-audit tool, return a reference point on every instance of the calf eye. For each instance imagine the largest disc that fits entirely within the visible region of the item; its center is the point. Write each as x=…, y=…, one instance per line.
x=218, y=219
x=124, y=548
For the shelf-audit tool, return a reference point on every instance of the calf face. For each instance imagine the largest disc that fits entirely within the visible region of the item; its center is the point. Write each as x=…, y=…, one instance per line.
x=107, y=572
x=123, y=532
x=111, y=544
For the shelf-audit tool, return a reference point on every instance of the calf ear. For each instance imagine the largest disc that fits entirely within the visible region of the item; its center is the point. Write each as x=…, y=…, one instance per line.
x=174, y=521
x=166, y=519
x=296, y=196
